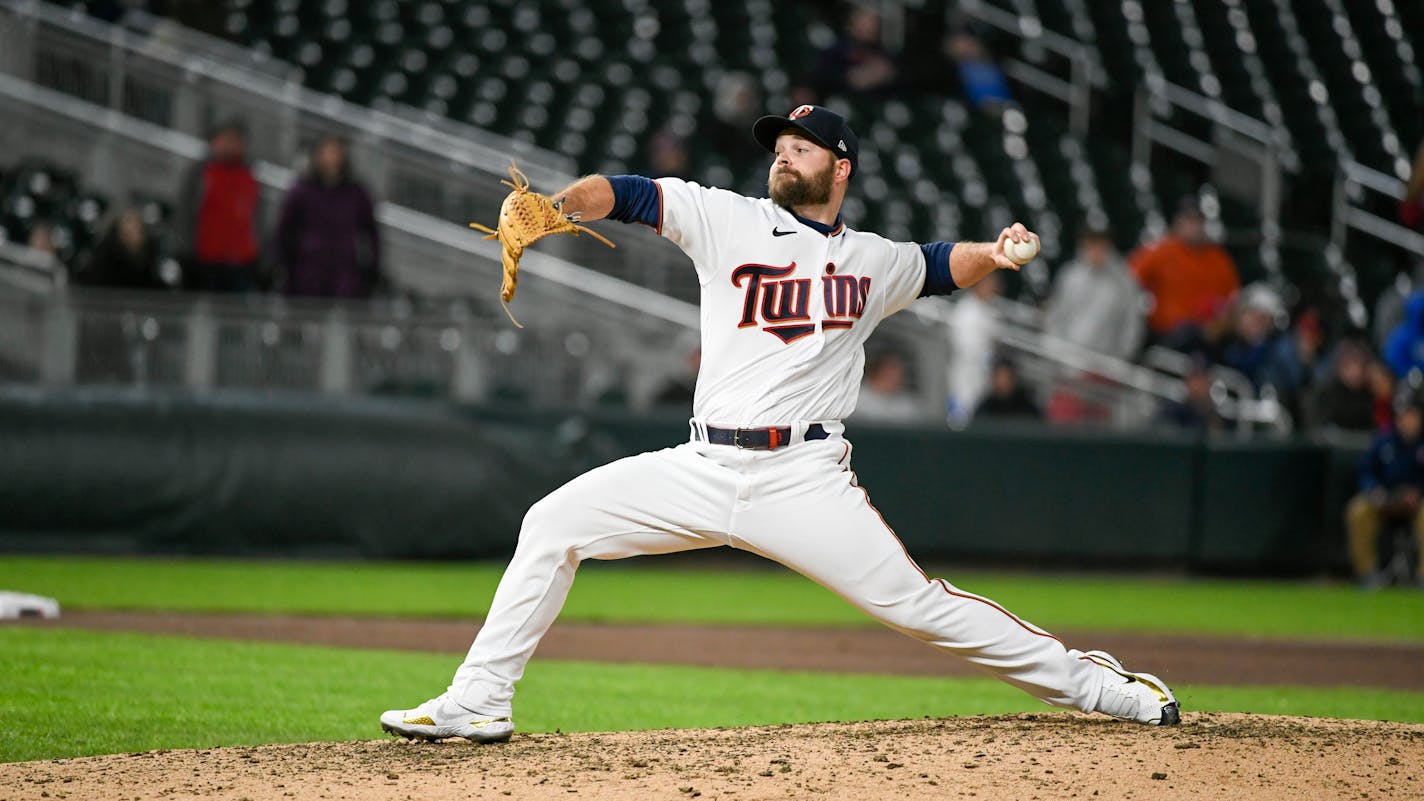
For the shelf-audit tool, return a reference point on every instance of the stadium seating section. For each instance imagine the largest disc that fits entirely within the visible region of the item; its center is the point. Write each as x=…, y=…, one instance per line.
x=34, y=193
x=596, y=79
x=37, y=194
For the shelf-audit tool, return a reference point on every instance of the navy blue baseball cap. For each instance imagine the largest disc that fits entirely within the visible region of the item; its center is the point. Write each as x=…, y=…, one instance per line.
x=821, y=125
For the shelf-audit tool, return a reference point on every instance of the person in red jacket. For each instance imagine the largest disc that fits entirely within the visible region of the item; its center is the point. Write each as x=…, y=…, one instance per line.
x=1190, y=278
x=215, y=222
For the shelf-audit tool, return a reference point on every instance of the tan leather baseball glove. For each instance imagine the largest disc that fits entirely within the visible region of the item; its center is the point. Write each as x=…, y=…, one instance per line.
x=525, y=217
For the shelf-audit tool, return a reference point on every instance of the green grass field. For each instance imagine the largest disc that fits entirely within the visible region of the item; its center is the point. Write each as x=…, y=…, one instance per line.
x=75, y=693
x=71, y=693
x=774, y=596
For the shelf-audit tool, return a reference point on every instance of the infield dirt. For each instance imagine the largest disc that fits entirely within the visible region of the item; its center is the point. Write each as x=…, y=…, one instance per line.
x=1043, y=756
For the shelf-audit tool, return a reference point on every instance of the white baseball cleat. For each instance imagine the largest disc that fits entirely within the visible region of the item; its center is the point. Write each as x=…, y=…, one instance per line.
x=15, y=605
x=1141, y=697
x=440, y=718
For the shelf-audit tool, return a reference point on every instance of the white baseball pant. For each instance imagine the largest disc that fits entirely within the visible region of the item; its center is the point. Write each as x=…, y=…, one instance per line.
x=798, y=505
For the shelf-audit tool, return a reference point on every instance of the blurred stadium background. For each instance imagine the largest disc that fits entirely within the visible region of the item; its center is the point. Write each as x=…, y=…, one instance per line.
x=419, y=422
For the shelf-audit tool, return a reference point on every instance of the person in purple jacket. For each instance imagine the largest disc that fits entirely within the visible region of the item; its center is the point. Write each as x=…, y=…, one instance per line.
x=327, y=242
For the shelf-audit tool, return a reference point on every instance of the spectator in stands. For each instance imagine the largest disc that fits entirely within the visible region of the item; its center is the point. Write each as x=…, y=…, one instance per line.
x=1191, y=281
x=1345, y=401
x=1391, y=481
x=1095, y=302
x=1382, y=385
x=667, y=154
x=1404, y=349
x=1411, y=206
x=973, y=328
x=1007, y=397
x=327, y=242
x=1196, y=412
x=126, y=257
x=883, y=396
x=856, y=64
x=1253, y=335
x=1292, y=365
x=983, y=82
x=41, y=238
x=215, y=223
x=735, y=106
x=1389, y=306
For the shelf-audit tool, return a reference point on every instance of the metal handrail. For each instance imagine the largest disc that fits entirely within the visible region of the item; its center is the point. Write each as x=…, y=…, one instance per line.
x=1276, y=139
x=1161, y=379
x=1222, y=114
x=418, y=158
x=1087, y=72
x=1052, y=41
x=32, y=270
x=1370, y=178
x=630, y=297
x=112, y=122
x=1014, y=331
x=202, y=56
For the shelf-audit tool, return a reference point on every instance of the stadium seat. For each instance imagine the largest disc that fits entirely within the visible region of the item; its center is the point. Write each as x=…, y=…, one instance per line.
x=36, y=192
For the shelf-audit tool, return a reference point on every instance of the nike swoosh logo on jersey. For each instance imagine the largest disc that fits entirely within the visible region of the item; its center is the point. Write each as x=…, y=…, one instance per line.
x=778, y=232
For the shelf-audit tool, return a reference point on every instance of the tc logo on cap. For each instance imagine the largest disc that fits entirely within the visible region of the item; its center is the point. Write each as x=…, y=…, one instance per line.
x=800, y=112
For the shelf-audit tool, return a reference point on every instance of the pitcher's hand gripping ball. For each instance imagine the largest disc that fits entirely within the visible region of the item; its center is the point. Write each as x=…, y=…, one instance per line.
x=525, y=217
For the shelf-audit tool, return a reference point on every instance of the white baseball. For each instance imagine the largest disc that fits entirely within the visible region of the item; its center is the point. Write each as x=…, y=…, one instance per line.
x=1021, y=252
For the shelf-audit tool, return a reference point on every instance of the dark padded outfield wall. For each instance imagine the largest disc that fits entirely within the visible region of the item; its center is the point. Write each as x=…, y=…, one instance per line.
x=90, y=470
x=120, y=471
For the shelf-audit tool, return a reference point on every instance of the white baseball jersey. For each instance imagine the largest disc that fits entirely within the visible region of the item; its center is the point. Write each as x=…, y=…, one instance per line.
x=786, y=309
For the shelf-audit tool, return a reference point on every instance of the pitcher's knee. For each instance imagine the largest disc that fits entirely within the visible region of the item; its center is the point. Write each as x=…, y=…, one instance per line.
x=547, y=528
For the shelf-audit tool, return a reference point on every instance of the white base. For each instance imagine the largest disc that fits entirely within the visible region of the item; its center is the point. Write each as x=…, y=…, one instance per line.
x=18, y=604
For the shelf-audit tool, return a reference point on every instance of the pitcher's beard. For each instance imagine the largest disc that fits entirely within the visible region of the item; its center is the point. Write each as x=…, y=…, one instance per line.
x=790, y=190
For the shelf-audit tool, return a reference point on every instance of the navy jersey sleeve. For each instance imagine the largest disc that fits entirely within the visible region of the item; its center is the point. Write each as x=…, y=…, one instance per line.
x=938, y=279
x=636, y=199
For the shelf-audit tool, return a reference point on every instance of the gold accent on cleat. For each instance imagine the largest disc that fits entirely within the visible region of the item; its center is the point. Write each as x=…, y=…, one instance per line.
x=425, y=721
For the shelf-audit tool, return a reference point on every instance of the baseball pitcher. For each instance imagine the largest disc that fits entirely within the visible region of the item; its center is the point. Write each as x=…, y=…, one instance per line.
x=789, y=295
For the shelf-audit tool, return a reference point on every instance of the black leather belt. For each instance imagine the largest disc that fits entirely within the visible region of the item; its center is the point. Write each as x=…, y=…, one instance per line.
x=760, y=439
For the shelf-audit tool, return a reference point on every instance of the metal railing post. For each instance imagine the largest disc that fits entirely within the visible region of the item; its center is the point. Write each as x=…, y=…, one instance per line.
x=469, y=380
x=200, y=356
x=61, y=340
x=336, y=358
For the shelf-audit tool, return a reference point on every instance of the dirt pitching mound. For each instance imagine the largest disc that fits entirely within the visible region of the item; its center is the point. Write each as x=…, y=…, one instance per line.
x=1048, y=756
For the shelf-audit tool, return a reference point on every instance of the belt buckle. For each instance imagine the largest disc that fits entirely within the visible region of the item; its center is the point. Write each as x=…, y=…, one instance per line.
x=736, y=438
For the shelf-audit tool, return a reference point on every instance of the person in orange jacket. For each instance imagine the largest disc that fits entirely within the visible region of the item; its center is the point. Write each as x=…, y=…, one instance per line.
x=1190, y=278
